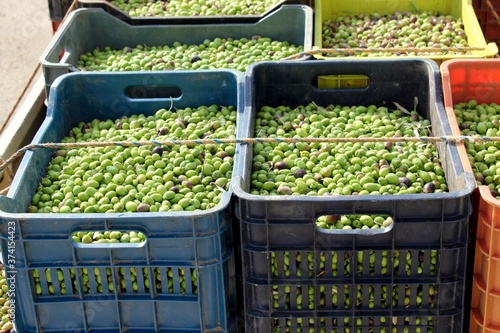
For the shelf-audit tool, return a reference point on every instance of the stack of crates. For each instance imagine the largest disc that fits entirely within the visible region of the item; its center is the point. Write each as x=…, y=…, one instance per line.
x=464, y=81
x=253, y=263
x=182, y=277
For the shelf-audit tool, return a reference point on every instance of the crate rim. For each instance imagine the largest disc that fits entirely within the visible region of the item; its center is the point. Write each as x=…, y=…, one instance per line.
x=221, y=19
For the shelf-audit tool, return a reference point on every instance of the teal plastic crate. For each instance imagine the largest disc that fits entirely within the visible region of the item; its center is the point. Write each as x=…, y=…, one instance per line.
x=86, y=29
x=196, y=245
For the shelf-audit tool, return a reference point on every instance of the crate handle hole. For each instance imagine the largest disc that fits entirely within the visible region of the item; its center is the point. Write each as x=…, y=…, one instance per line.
x=341, y=81
x=63, y=55
x=108, y=238
x=378, y=223
x=153, y=91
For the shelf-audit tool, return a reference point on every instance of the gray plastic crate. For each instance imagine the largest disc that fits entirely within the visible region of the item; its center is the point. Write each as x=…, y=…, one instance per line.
x=86, y=29
x=282, y=293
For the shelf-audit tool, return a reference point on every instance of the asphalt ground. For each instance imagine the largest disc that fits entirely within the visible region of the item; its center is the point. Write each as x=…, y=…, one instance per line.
x=25, y=31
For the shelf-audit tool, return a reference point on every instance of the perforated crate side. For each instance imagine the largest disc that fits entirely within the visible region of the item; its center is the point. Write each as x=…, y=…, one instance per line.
x=348, y=323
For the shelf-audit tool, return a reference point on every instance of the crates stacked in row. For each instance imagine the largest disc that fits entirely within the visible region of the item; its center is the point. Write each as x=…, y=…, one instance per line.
x=488, y=15
x=325, y=247
x=357, y=29
x=471, y=94
x=95, y=238
x=93, y=40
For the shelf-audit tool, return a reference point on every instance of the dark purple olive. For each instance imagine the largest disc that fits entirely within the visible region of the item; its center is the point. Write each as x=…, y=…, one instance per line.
x=299, y=173
x=174, y=189
x=163, y=131
x=119, y=125
x=277, y=116
x=429, y=188
x=128, y=49
x=157, y=150
x=404, y=181
x=388, y=145
x=187, y=184
x=479, y=177
x=463, y=126
x=280, y=165
x=494, y=193
x=85, y=128
x=195, y=59
x=143, y=207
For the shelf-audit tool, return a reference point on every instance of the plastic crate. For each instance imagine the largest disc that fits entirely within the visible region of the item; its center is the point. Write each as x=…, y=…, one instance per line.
x=488, y=16
x=139, y=20
x=88, y=28
x=464, y=80
x=280, y=228
x=198, y=244
x=325, y=9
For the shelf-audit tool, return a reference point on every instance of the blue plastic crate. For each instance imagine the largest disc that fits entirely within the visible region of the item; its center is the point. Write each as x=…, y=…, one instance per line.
x=86, y=29
x=197, y=245
x=296, y=277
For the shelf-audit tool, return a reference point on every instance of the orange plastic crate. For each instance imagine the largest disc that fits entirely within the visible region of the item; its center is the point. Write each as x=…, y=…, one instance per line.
x=464, y=80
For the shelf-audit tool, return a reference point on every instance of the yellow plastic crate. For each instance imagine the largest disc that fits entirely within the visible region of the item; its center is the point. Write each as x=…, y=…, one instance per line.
x=330, y=9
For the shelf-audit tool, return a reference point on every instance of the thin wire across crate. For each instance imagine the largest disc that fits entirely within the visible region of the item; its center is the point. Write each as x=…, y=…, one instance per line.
x=353, y=50
x=54, y=145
